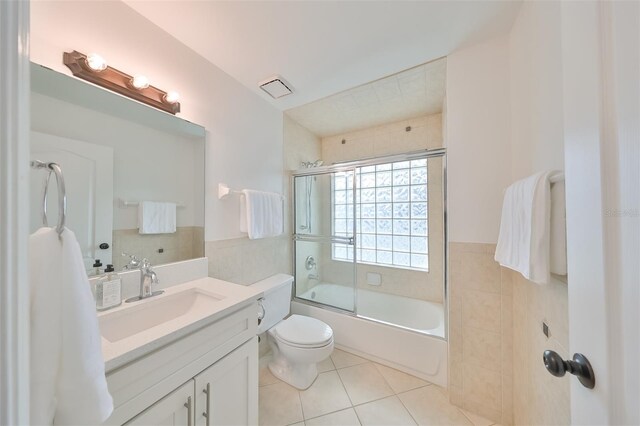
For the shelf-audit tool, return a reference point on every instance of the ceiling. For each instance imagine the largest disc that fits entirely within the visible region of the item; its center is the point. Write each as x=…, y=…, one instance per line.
x=412, y=93
x=325, y=47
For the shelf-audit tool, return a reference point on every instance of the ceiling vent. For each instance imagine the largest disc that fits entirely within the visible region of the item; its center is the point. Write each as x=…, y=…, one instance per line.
x=276, y=87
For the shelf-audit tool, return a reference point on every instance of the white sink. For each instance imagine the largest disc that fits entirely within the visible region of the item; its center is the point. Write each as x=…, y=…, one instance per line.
x=154, y=311
x=134, y=329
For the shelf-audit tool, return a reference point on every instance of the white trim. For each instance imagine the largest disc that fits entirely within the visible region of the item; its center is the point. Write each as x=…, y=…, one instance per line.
x=14, y=207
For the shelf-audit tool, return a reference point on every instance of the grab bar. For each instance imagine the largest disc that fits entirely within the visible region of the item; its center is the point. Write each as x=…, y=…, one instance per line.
x=62, y=194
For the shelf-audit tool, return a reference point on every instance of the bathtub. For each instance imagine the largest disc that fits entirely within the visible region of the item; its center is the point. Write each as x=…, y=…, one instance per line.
x=417, y=315
x=403, y=333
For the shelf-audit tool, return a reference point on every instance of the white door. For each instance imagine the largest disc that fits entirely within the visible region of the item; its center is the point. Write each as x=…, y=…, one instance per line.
x=227, y=392
x=172, y=410
x=601, y=65
x=88, y=175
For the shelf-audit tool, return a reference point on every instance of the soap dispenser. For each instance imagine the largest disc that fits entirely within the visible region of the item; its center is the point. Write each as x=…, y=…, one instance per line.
x=97, y=264
x=108, y=290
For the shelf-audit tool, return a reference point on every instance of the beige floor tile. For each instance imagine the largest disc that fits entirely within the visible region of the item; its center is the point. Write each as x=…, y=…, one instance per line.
x=429, y=406
x=399, y=381
x=342, y=359
x=265, y=376
x=364, y=383
x=384, y=412
x=340, y=418
x=298, y=424
x=325, y=395
x=279, y=405
x=476, y=419
x=326, y=365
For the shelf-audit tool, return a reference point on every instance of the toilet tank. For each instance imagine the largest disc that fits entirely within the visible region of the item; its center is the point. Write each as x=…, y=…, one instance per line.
x=277, y=299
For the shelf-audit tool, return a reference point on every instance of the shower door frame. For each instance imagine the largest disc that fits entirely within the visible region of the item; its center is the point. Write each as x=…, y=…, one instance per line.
x=353, y=166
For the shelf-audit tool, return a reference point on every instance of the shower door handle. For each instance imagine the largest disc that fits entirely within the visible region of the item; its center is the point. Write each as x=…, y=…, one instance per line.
x=333, y=239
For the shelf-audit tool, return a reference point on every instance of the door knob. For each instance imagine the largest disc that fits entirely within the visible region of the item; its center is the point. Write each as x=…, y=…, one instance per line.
x=578, y=366
x=104, y=246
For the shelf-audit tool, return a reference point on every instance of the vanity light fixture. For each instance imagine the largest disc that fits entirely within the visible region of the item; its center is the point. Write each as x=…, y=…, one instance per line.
x=94, y=69
x=96, y=62
x=140, y=82
x=172, y=97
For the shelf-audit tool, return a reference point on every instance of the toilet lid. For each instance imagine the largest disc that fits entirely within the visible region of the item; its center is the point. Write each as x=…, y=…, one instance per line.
x=304, y=331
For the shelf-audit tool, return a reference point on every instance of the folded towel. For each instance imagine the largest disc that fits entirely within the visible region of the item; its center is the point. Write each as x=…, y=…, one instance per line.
x=558, y=248
x=261, y=214
x=68, y=384
x=156, y=218
x=524, y=241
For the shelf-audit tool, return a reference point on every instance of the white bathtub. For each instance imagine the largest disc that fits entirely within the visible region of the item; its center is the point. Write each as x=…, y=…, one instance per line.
x=418, y=315
x=405, y=333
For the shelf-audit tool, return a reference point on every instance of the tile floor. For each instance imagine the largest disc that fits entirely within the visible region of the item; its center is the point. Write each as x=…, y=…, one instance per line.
x=351, y=390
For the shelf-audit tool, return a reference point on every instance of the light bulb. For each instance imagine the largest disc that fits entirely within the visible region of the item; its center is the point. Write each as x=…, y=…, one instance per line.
x=172, y=97
x=96, y=62
x=140, y=82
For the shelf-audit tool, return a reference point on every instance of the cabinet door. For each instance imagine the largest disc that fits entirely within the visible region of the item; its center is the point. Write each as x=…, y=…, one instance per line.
x=175, y=409
x=227, y=392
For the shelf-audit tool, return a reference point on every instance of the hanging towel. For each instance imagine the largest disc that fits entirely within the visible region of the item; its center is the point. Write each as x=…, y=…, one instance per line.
x=68, y=384
x=525, y=228
x=156, y=218
x=261, y=214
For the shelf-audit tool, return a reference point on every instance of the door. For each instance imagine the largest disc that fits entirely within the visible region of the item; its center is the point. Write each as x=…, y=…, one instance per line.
x=324, y=231
x=88, y=174
x=601, y=64
x=227, y=392
x=175, y=409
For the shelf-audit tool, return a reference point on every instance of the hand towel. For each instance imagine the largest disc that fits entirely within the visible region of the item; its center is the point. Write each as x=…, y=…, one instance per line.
x=156, y=218
x=261, y=214
x=68, y=384
x=524, y=240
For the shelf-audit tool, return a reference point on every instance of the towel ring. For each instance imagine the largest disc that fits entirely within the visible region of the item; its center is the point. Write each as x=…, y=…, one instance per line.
x=62, y=194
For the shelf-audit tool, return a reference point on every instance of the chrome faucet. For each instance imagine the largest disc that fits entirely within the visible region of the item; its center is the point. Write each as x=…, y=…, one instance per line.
x=134, y=262
x=147, y=279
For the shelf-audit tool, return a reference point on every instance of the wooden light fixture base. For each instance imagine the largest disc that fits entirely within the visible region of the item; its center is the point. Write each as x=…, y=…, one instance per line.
x=118, y=81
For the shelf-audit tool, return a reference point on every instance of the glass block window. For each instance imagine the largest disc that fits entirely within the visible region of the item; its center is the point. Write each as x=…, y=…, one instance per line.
x=390, y=214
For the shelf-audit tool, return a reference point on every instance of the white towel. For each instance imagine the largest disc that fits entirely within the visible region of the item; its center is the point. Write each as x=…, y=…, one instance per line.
x=68, y=384
x=525, y=228
x=261, y=214
x=156, y=218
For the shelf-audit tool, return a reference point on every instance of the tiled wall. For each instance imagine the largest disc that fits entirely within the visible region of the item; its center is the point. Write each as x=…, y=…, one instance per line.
x=245, y=261
x=481, y=332
x=539, y=397
x=186, y=243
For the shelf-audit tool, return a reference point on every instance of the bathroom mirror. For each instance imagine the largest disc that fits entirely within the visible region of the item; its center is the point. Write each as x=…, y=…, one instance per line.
x=115, y=153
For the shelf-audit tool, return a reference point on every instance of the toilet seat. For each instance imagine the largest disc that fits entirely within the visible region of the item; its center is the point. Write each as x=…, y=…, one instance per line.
x=303, y=332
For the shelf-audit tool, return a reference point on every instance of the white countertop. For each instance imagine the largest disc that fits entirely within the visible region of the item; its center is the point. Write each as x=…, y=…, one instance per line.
x=227, y=297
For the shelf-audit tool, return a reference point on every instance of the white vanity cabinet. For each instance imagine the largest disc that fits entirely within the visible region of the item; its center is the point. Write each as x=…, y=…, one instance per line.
x=227, y=392
x=167, y=385
x=175, y=409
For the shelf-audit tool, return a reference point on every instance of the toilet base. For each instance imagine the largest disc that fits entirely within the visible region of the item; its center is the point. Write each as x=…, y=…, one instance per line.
x=300, y=373
x=300, y=376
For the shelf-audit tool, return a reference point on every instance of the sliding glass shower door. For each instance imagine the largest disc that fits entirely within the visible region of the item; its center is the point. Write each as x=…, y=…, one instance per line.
x=324, y=237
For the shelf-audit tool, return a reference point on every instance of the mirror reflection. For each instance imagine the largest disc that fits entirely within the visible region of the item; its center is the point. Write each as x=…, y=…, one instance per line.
x=134, y=176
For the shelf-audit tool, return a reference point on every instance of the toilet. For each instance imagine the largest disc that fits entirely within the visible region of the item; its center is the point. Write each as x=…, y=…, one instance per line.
x=298, y=342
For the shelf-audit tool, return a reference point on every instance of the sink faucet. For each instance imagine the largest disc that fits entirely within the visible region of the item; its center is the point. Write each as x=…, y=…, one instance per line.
x=147, y=279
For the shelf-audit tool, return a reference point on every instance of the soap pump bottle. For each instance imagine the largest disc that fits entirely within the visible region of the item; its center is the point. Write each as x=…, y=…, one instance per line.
x=97, y=264
x=108, y=290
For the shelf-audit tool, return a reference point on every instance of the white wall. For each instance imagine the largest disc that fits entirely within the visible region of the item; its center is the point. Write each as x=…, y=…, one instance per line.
x=535, y=63
x=244, y=132
x=478, y=149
